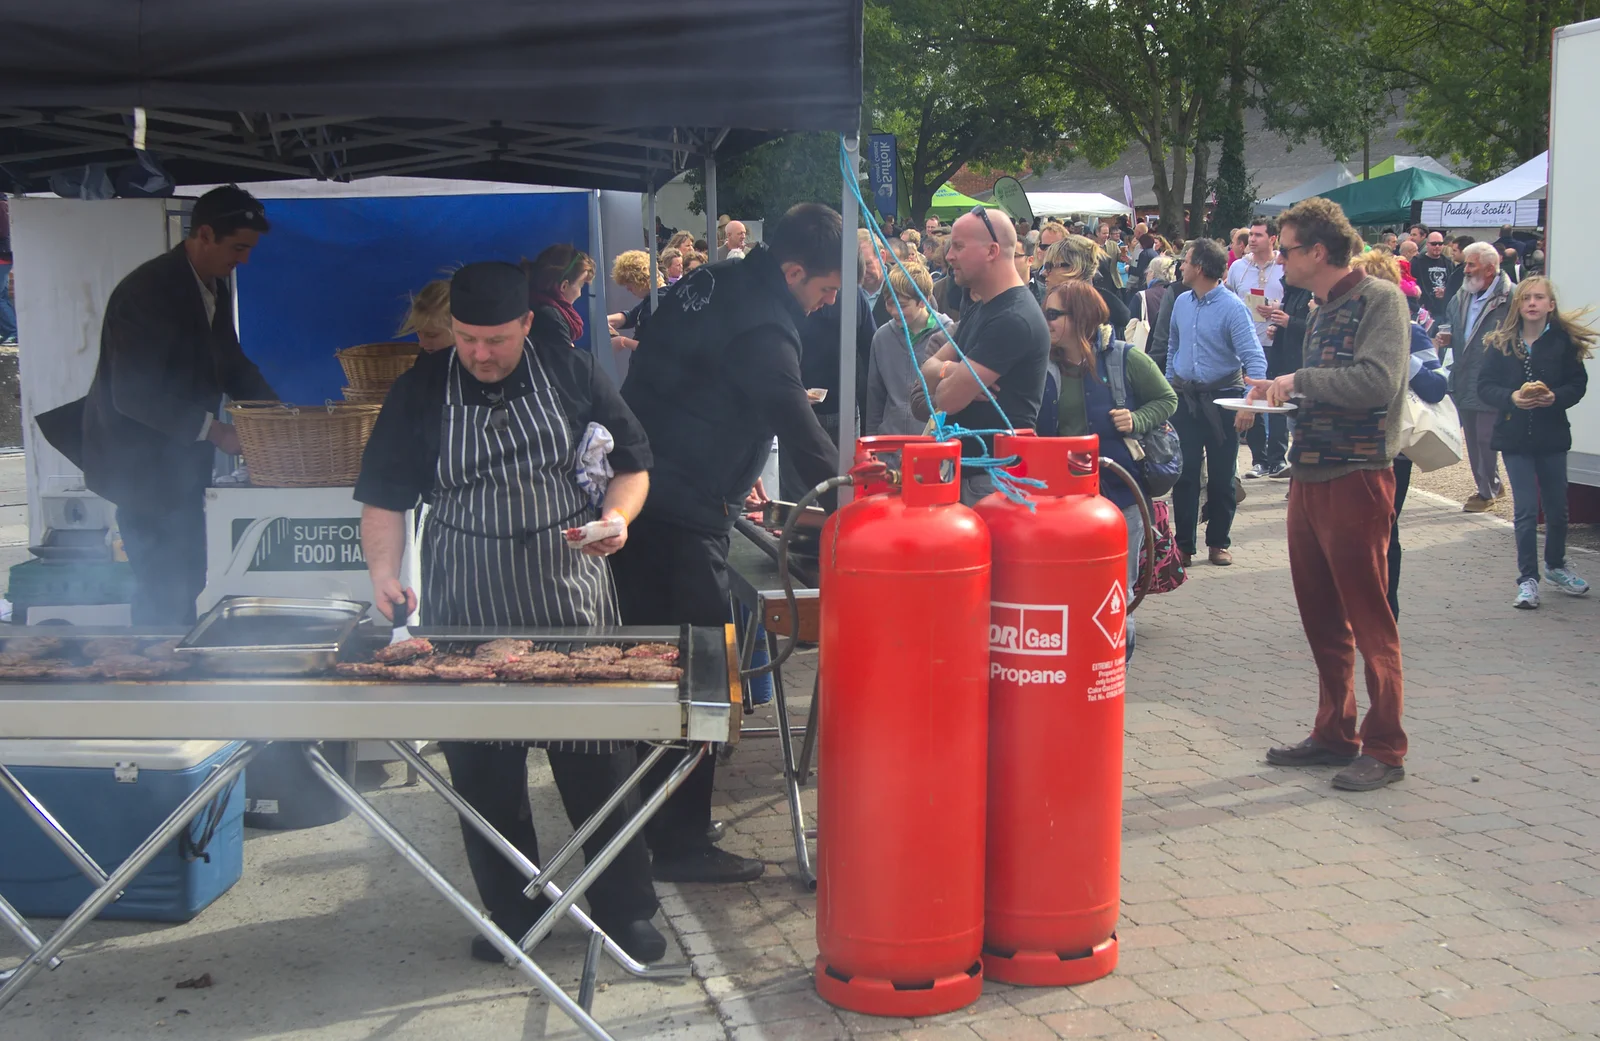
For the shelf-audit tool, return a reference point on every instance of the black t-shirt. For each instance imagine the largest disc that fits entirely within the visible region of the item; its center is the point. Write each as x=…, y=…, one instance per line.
x=401, y=460
x=1007, y=334
x=1430, y=273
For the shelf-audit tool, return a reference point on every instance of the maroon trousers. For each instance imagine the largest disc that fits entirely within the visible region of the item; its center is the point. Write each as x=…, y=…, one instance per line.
x=1338, y=558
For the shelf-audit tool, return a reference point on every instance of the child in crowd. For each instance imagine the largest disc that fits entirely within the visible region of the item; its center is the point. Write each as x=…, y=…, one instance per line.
x=1533, y=376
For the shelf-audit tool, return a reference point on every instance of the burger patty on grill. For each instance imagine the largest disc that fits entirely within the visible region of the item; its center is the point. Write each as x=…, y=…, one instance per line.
x=403, y=651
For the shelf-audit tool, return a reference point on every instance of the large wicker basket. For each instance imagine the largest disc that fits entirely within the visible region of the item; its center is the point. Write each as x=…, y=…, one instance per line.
x=374, y=366
x=366, y=395
x=304, y=446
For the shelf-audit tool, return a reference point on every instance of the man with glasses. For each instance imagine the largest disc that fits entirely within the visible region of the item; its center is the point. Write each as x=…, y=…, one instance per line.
x=1432, y=271
x=490, y=437
x=1003, y=335
x=149, y=433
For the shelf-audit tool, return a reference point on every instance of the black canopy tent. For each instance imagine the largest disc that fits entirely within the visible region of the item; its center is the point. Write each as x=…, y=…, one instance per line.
x=608, y=94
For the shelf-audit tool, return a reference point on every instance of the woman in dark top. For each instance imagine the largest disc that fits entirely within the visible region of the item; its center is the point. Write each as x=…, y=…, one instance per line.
x=556, y=279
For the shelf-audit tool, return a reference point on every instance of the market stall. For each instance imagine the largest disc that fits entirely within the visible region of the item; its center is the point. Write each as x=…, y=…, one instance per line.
x=1515, y=198
x=1387, y=200
x=1076, y=204
x=579, y=96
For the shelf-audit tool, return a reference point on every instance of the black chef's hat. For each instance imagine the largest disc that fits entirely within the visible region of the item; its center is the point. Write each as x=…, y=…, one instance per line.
x=488, y=293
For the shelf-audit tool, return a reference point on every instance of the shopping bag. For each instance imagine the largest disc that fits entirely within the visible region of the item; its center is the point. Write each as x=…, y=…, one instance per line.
x=1430, y=434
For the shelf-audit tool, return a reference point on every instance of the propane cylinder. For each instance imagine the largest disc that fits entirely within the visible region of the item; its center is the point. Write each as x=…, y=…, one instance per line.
x=1056, y=645
x=902, y=740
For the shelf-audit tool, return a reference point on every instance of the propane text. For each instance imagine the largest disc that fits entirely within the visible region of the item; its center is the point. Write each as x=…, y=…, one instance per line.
x=1024, y=677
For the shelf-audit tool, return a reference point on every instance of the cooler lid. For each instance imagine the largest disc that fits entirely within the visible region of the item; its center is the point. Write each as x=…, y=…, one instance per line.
x=147, y=755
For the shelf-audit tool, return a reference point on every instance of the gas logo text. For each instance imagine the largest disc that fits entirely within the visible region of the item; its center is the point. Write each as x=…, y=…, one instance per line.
x=1023, y=677
x=1039, y=629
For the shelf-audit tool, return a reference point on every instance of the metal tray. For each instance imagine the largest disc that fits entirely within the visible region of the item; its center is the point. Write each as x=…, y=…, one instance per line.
x=272, y=636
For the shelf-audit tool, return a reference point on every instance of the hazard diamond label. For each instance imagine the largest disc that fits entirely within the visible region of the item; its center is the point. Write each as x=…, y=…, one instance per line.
x=1112, y=615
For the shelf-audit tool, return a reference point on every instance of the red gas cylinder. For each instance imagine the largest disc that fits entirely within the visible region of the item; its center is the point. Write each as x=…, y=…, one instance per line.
x=1056, y=644
x=902, y=740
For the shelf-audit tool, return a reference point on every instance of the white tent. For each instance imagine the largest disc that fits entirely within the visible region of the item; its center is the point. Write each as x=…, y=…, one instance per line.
x=1527, y=181
x=1334, y=175
x=1075, y=204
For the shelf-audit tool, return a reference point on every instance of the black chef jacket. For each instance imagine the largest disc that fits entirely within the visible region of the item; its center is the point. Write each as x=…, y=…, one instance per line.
x=401, y=460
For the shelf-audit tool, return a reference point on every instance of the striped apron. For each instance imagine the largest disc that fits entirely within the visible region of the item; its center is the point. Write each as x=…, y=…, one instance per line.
x=504, y=490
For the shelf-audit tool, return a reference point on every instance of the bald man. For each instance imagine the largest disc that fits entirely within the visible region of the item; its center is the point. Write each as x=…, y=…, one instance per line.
x=1004, y=335
x=734, y=237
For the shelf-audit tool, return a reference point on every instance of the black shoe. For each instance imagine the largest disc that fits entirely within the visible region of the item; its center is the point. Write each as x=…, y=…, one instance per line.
x=1307, y=753
x=1366, y=774
x=1256, y=471
x=1278, y=470
x=642, y=940
x=483, y=950
x=705, y=864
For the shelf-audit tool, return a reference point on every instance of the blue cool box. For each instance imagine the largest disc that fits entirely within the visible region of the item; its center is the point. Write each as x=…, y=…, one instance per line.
x=111, y=795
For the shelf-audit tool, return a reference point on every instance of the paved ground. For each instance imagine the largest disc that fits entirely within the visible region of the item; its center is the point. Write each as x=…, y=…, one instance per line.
x=1463, y=903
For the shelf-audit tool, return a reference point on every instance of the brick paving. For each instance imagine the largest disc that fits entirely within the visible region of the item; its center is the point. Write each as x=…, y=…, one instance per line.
x=1258, y=902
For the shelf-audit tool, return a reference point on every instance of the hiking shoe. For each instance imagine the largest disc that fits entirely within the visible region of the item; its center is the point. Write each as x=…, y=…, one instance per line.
x=1528, y=595
x=1279, y=470
x=1475, y=504
x=1366, y=774
x=1308, y=753
x=1567, y=581
x=1256, y=471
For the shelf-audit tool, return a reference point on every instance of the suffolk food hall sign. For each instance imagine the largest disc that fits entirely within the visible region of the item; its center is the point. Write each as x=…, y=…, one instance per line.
x=300, y=543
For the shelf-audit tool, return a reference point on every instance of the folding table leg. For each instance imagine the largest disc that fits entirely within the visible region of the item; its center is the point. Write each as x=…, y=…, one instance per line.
x=19, y=925
x=433, y=779
x=129, y=869
x=810, y=743
x=51, y=827
x=791, y=782
x=413, y=856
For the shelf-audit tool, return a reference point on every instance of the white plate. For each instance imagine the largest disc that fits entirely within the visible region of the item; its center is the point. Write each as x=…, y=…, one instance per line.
x=1241, y=405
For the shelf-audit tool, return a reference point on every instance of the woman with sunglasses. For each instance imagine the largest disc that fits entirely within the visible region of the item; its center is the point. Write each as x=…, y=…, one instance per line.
x=556, y=279
x=1081, y=345
x=492, y=437
x=1076, y=258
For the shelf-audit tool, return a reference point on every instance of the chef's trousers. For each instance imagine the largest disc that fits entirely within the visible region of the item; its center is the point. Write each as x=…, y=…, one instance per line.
x=672, y=575
x=167, y=553
x=493, y=778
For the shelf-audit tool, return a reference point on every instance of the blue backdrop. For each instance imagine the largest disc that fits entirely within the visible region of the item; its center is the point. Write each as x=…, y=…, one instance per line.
x=337, y=272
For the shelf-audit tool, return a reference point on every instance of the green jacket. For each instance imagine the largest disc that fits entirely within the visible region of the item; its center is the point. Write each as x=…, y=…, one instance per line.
x=1147, y=388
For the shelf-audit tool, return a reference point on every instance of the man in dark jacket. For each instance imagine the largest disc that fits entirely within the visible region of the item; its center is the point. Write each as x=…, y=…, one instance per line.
x=715, y=376
x=819, y=369
x=168, y=356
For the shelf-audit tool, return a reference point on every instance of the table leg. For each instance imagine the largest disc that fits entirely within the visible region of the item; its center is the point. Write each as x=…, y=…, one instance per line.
x=810, y=743
x=19, y=925
x=791, y=783
x=608, y=853
x=129, y=869
x=590, y=826
x=413, y=856
x=591, y=969
x=51, y=827
x=433, y=779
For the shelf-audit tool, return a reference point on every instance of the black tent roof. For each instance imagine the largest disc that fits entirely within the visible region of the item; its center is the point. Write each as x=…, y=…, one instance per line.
x=594, y=94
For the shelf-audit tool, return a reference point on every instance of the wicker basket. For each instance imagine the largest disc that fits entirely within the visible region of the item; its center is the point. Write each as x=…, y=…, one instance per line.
x=311, y=446
x=374, y=365
x=366, y=395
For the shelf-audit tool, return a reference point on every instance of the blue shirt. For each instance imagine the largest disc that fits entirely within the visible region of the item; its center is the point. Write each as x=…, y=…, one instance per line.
x=1212, y=338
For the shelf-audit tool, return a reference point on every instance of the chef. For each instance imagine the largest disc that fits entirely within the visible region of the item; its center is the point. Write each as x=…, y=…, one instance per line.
x=491, y=437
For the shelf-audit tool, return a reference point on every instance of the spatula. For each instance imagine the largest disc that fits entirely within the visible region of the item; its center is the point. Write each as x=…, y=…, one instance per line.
x=399, y=612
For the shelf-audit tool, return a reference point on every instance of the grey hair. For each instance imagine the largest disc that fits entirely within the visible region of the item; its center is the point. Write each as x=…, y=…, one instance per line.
x=1207, y=255
x=1482, y=253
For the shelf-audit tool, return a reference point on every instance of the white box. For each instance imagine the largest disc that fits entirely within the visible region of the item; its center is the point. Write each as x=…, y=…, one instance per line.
x=302, y=542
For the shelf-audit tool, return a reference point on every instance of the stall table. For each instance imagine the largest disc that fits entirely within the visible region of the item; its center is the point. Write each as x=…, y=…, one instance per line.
x=695, y=713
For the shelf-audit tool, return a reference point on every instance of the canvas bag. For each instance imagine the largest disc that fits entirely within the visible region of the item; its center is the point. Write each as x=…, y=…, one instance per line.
x=1137, y=333
x=1159, y=449
x=1430, y=434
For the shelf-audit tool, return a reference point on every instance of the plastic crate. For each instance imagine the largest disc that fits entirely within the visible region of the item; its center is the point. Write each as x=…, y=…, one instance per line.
x=111, y=795
x=36, y=583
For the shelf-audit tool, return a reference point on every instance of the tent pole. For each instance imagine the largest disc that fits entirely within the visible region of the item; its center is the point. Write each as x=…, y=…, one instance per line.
x=848, y=297
x=650, y=246
x=598, y=344
x=711, y=207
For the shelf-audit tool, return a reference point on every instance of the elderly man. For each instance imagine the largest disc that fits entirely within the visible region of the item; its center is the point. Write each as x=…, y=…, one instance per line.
x=1213, y=339
x=735, y=235
x=1003, y=335
x=1341, y=504
x=1477, y=310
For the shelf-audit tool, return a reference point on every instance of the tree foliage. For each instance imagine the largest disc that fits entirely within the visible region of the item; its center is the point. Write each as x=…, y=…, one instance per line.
x=763, y=183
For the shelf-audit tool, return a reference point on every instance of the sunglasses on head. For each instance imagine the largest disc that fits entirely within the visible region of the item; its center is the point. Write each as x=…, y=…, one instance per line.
x=982, y=213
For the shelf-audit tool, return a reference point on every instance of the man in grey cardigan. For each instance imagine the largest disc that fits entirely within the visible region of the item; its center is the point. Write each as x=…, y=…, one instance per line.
x=1341, y=503
x=1474, y=312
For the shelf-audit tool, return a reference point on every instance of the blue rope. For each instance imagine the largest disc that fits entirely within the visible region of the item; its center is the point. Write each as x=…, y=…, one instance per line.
x=1011, y=486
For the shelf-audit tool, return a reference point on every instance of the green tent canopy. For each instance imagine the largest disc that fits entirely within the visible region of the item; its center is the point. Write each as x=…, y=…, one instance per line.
x=1388, y=199
x=948, y=204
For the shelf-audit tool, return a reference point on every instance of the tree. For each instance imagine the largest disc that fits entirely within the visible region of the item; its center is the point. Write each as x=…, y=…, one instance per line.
x=1476, y=74
x=1236, y=193
x=763, y=183
x=969, y=82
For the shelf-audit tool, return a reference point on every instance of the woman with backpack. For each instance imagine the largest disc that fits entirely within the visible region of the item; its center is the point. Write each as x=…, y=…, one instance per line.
x=1532, y=375
x=1088, y=360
